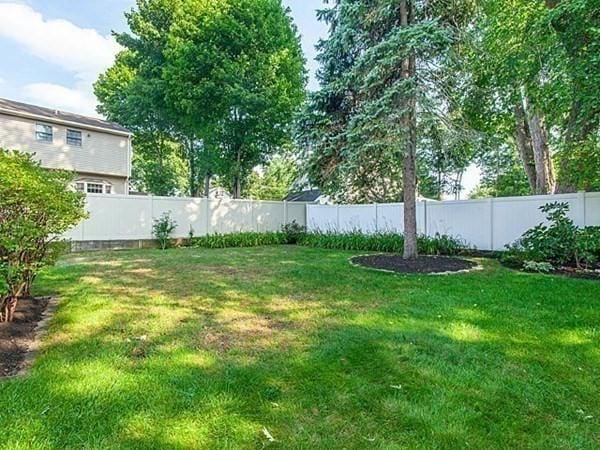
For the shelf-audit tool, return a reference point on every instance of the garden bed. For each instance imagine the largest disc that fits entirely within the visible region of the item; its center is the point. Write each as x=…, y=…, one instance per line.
x=19, y=338
x=422, y=264
x=574, y=272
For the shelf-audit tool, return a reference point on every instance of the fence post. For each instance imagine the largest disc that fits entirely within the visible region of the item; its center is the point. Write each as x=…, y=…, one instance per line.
x=285, y=212
x=491, y=205
x=151, y=215
x=425, y=228
x=337, y=213
x=208, y=215
x=253, y=215
x=376, y=218
x=581, y=197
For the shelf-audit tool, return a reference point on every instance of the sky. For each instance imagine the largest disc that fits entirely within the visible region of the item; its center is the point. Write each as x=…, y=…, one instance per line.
x=53, y=50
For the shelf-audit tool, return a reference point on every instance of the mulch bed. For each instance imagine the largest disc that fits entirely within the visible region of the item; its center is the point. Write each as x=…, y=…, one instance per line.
x=577, y=273
x=422, y=264
x=17, y=337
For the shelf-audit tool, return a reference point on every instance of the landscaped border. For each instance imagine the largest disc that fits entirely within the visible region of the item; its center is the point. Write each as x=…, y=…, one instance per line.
x=41, y=330
x=477, y=267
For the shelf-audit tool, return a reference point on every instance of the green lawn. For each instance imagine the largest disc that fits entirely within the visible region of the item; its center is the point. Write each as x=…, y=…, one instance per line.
x=204, y=348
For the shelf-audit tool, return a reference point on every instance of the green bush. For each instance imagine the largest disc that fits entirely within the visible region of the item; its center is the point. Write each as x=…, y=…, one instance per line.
x=36, y=207
x=382, y=242
x=587, y=246
x=534, y=266
x=294, y=232
x=558, y=243
x=162, y=229
x=243, y=239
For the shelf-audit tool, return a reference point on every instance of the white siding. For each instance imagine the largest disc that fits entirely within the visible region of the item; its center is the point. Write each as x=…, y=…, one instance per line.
x=100, y=153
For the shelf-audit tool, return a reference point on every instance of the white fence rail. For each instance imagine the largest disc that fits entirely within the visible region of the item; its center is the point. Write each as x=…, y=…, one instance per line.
x=488, y=224
x=128, y=217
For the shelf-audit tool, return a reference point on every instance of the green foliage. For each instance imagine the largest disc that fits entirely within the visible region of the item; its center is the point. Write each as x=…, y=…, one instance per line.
x=294, y=232
x=242, y=239
x=547, y=54
x=587, y=246
x=353, y=128
x=275, y=182
x=534, y=266
x=238, y=66
x=382, y=242
x=502, y=173
x=560, y=242
x=162, y=229
x=214, y=84
x=36, y=207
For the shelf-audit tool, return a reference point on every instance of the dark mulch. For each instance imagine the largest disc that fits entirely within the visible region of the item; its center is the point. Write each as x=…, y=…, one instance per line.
x=577, y=273
x=16, y=337
x=422, y=264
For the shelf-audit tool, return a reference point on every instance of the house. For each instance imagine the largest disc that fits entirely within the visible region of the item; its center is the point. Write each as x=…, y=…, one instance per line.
x=99, y=152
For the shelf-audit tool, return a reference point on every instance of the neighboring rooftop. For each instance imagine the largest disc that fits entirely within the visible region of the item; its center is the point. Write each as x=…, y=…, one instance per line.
x=24, y=109
x=311, y=195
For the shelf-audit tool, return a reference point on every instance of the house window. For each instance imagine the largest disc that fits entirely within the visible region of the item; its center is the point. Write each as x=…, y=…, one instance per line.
x=43, y=133
x=94, y=187
x=74, y=138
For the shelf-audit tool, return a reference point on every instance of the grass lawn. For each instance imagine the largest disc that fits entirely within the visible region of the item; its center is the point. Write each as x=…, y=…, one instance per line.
x=196, y=348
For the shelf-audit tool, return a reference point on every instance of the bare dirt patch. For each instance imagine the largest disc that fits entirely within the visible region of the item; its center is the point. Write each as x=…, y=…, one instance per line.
x=422, y=264
x=19, y=338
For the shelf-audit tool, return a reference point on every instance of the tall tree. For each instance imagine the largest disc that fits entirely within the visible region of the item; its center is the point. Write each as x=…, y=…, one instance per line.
x=239, y=64
x=380, y=84
x=534, y=68
x=134, y=92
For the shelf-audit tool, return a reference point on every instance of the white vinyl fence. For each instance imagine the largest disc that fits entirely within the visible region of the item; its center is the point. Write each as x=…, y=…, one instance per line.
x=128, y=217
x=487, y=224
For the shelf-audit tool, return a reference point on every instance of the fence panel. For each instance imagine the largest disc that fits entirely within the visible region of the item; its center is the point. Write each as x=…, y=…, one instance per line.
x=466, y=220
x=488, y=224
x=322, y=217
x=128, y=217
x=592, y=208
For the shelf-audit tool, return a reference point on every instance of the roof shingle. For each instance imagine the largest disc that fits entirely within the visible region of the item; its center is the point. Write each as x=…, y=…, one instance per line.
x=17, y=108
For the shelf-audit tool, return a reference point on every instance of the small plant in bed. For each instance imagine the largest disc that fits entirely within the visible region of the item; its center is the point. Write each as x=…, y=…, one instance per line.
x=162, y=229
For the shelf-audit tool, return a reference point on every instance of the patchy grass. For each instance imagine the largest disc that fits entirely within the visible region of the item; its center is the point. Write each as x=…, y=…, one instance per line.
x=197, y=348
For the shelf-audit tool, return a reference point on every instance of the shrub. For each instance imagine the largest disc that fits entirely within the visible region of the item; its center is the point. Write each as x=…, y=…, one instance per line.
x=36, y=207
x=382, y=242
x=534, y=266
x=242, y=239
x=587, y=247
x=560, y=242
x=294, y=232
x=162, y=229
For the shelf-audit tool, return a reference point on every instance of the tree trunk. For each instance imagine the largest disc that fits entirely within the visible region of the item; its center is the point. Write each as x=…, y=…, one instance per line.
x=237, y=179
x=7, y=312
x=193, y=176
x=574, y=134
x=409, y=121
x=237, y=187
x=544, y=170
x=207, y=178
x=524, y=145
